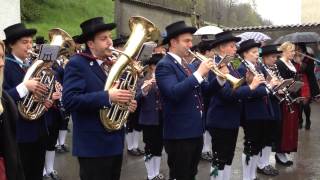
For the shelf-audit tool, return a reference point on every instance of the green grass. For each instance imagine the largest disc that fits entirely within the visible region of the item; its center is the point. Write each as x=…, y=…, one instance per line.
x=68, y=14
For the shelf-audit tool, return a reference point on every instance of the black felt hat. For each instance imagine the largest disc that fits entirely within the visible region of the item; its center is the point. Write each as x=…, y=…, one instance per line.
x=120, y=41
x=175, y=29
x=155, y=58
x=269, y=49
x=17, y=31
x=92, y=26
x=248, y=44
x=225, y=36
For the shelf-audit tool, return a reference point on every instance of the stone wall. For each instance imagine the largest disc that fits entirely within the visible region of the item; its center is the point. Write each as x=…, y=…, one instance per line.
x=9, y=13
x=159, y=15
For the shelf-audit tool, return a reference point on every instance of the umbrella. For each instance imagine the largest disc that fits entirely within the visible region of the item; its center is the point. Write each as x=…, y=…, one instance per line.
x=208, y=30
x=257, y=36
x=299, y=37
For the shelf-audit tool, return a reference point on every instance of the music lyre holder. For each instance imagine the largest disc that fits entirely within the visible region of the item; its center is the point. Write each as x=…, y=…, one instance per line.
x=49, y=52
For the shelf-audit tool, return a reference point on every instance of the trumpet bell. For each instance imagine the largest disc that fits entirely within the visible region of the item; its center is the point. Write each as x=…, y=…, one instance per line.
x=236, y=83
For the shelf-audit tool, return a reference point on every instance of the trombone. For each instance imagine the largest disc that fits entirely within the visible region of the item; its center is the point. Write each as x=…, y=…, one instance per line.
x=234, y=81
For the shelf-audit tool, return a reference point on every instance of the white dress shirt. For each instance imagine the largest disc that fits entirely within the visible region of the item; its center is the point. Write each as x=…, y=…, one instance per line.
x=21, y=88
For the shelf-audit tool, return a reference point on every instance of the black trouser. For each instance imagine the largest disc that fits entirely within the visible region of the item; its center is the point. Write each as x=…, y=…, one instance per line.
x=53, y=136
x=223, y=146
x=183, y=157
x=32, y=158
x=101, y=168
x=255, y=135
x=270, y=133
x=133, y=123
x=152, y=137
x=64, y=121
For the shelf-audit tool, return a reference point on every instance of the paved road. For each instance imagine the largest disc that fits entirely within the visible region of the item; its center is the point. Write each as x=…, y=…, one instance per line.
x=306, y=161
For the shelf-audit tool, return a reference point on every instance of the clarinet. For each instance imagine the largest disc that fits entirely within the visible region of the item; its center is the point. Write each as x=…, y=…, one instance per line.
x=255, y=72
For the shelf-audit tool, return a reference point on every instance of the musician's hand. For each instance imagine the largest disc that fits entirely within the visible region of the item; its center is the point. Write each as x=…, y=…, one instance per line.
x=133, y=106
x=34, y=86
x=224, y=69
x=47, y=104
x=205, y=67
x=274, y=82
x=256, y=81
x=118, y=95
x=148, y=84
x=56, y=95
x=249, y=77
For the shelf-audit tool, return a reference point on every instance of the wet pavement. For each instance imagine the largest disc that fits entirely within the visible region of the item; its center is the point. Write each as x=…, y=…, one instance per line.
x=306, y=160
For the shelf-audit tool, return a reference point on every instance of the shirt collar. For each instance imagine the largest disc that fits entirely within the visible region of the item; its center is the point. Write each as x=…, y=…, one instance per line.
x=99, y=62
x=18, y=59
x=250, y=63
x=176, y=57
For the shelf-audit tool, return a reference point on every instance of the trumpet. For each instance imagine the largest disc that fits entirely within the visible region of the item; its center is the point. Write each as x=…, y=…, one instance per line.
x=234, y=81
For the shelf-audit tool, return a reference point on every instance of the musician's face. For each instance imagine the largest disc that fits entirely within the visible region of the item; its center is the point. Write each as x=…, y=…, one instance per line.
x=270, y=59
x=289, y=53
x=210, y=53
x=21, y=46
x=100, y=46
x=229, y=48
x=252, y=55
x=181, y=44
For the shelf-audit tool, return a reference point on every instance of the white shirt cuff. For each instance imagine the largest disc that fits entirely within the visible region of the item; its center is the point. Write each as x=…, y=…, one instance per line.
x=22, y=90
x=142, y=91
x=221, y=81
x=198, y=77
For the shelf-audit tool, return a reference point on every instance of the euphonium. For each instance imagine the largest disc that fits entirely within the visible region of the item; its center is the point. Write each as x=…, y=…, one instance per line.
x=32, y=107
x=234, y=81
x=126, y=72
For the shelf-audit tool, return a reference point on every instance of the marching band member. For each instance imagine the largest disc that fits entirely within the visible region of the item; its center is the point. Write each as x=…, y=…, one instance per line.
x=10, y=163
x=257, y=110
x=180, y=87
x=99, y=152
x=150, y=118
x=31, y=135
x=310, y=88
x=224, y=111
x=205, y=48
x=54, y=119
x=269, y=56
x=288, y=130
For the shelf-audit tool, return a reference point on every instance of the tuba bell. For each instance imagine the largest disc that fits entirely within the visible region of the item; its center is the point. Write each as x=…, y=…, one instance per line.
x=126, y=71
x=32, y=107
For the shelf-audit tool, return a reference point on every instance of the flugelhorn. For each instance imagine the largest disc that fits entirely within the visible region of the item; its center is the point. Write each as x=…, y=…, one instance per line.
x=233, y=80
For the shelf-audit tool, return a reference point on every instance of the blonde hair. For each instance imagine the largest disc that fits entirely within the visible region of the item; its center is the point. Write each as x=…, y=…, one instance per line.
x=2, y=45
x=287, y=46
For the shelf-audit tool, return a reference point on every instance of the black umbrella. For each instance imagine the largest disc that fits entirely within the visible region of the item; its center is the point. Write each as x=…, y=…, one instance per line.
x=299, y=37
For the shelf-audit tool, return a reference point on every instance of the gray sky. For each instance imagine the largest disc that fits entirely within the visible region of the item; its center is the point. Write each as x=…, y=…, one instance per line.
x=280, y=12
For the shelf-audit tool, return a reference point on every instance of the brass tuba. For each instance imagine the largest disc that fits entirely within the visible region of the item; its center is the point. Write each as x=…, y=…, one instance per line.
x=126, y=71
x=233, y=80
x=32, y=107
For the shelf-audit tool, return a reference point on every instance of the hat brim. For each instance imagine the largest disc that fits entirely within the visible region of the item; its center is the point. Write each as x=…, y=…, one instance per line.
x=178, y=32
x=224, y=40
x=270, y=52
x=253, y=45
x=99, y=28
x=20, y=34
